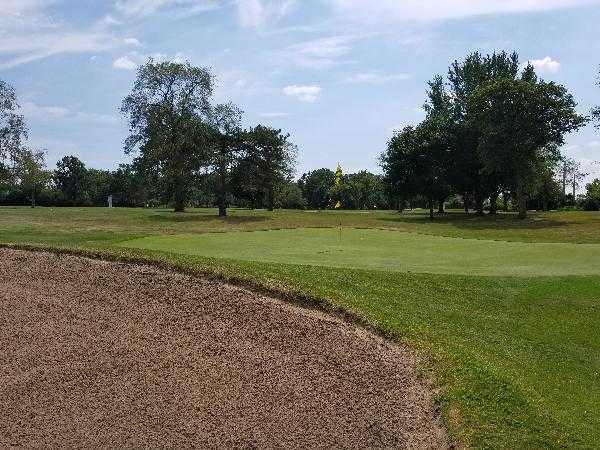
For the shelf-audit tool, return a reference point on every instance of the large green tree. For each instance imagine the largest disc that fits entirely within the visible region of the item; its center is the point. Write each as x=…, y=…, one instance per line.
x=521, y=123
x=168, y=111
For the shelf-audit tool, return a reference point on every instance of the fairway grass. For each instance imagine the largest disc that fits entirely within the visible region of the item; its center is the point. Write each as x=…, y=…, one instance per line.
x=375, y=249
x=516, y=358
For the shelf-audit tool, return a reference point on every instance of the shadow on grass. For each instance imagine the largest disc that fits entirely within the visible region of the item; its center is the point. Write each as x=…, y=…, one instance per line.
x=172, y=217
x=475, y=222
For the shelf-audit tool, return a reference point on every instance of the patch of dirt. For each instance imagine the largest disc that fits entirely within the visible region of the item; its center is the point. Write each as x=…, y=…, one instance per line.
x=96, y=354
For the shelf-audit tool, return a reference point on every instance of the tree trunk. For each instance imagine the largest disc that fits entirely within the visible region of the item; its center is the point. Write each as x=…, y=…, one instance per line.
x=479, y=204
x=522, y=202
x=441, y=206
x=431, y=209
x=222, y=194
x=179, y=195
x=466, y=202
x=505, y=201
x=33, y=200
x=400, y=205
x=493, y=203
x=271, y=198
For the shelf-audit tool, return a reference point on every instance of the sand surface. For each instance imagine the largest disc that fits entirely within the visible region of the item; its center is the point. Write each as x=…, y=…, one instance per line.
x=96, y=354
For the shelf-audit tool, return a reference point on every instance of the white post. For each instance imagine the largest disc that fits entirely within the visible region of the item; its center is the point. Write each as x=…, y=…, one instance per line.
x=110, y=201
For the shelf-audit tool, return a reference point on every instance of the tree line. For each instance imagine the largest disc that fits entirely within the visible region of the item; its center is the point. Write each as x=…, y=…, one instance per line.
x=490, y=140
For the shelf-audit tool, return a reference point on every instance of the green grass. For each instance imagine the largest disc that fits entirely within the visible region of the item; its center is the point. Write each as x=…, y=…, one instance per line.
x=376, y=249
x=517, y=358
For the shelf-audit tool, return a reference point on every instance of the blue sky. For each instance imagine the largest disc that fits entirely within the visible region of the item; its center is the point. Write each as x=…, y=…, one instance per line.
x=339, y=75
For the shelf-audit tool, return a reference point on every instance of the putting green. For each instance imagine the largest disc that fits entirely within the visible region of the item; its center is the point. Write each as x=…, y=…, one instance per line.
x=385, y=250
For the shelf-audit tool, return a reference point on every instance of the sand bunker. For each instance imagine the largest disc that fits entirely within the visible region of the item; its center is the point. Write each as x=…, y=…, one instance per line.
x=97, y=354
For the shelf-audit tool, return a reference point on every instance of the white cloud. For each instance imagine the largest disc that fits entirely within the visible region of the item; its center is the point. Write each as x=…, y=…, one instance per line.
x=25, y=48
x=132, y=41
x=255, y=13
x=408, y=10
x=319, y=53
x=125, y=63
x=30, y=109
x=274, y=115
x=377, y=77
x=141, y=8
x=236, y=84
x=52, y=112
x=308, y=94
x=545, y=65
x=251, y=13
x=29, y=32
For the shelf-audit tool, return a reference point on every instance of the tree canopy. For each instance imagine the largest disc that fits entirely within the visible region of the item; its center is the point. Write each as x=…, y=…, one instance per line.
x=494, y=131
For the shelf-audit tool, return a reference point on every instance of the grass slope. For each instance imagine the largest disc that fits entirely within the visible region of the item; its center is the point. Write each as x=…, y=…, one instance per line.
x=518, y=358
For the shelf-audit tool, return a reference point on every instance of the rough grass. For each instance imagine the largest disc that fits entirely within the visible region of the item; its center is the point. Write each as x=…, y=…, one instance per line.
x=518, y=358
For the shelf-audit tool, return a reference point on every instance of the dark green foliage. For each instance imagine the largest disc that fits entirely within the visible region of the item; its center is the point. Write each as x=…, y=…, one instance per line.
x=267, y=163
x=363, y=190
x=72, y=180
x=316, y=187
x=592, y=196
x=289, y=196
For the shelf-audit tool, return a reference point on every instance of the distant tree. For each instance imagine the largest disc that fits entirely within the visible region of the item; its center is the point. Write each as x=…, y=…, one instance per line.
x=13, y=130
x=99, y=186
x=592, y=196
x=364, y=190
x=30, y=171
x=167, y=111
x=130, y=186
x=520, y=124
x=547, y=193
x=593, y=189
x=567, y=167
x=246, y=185
x=226, y=139
x=71, y=177
x=576, y=176
x=289, y=196
x=316, y=187
x=271, y=157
